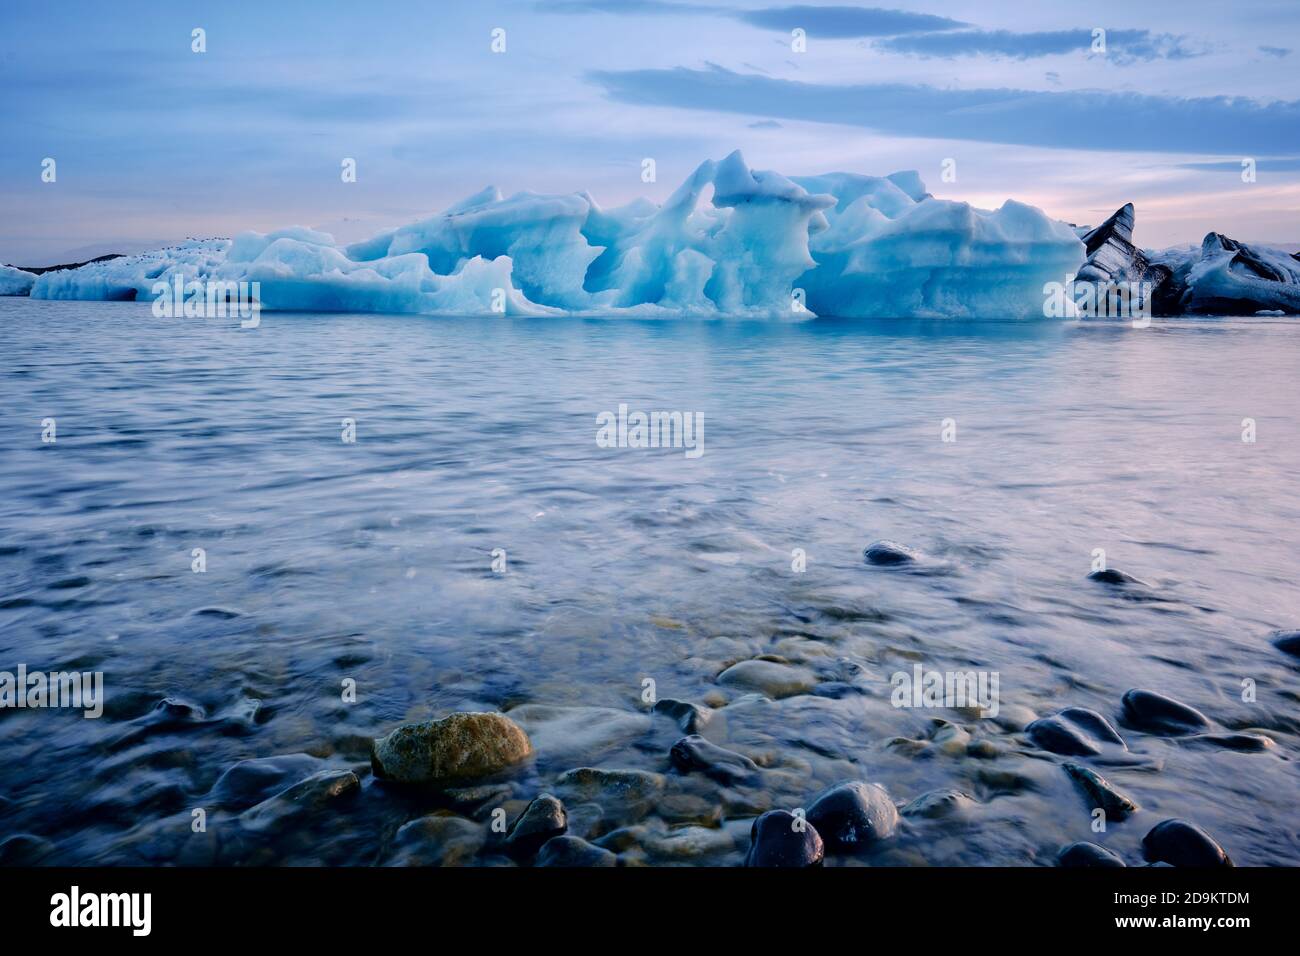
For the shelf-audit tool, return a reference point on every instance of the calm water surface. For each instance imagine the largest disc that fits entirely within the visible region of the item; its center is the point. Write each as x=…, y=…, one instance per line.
x=371, y=561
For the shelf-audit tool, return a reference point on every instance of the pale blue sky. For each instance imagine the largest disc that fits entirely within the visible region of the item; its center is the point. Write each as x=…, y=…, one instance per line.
x=154, y=142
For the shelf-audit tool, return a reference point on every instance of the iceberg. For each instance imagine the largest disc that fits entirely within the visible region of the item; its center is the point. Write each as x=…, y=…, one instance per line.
x=730, y=241
x=15, y=281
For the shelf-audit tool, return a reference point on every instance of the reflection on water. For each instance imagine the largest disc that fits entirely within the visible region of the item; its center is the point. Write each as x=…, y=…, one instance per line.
x=372, y=561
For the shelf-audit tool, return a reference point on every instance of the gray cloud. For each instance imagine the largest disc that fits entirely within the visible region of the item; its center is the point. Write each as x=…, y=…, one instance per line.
x=833, y=22
x=1080, y=120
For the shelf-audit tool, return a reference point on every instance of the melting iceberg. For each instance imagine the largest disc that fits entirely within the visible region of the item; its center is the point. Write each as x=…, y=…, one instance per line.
x=731, y=241
x=15, y=281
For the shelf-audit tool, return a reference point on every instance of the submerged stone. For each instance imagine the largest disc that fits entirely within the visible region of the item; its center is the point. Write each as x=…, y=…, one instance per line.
x=1114, y=576
x=1074, y=732
x=621, y=795
x=1287, y=641
x=571, y=851
x=696, y=753
x=1245, y=743
x=440, y=839
x=769, y=677
x=689, y=717
x=939, y=803
x=890, y=554
x=317, y=792
x=251, y=781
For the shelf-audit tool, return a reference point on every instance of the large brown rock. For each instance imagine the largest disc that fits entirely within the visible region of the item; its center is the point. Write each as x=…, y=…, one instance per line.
x=460, y=747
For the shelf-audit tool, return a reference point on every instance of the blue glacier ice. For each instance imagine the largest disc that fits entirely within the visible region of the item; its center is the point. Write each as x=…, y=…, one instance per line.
x=731, y=241
x=15, y=281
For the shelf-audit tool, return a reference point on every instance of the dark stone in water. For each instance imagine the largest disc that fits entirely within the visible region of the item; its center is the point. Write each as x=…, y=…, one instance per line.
x=1094, y=723
x=24, y=849
x=780, y=839
x=1180, y=843
x=1114, y=576
x=571, y=851
x=251, y=781
x=1158, y=714
x=1074, y=732
x=1100, y=793
x=1085, y=854
x=543, y=819
x=1287, y=642
x=837, y=690
x=1246, y=743
x=852, y=816
x=173, y=709
x=221, y=613
x=725, y=766
x=890, y=554
x=1060, y=737
x=689, y=717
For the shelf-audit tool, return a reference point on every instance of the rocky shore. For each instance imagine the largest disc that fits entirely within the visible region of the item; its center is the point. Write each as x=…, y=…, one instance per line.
x=529, y=786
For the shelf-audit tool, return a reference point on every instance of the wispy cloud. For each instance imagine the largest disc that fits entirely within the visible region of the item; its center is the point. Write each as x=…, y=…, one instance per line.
x=832, y=22
x=1277, y=51
x=1121, y=46
x=1077, y=120
x=1287, y=164
x=842, y=22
